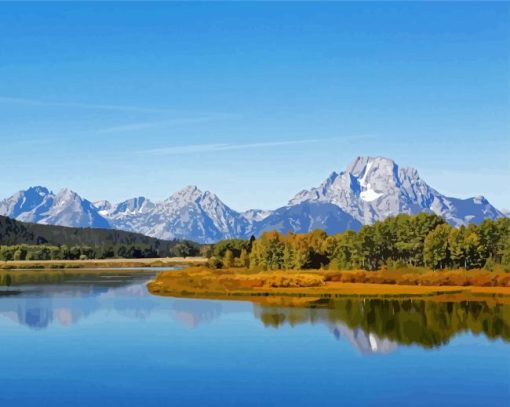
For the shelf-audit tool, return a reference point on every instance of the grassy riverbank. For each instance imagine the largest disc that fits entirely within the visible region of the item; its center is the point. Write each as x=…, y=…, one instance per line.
x=242, y=283
x=103, y=263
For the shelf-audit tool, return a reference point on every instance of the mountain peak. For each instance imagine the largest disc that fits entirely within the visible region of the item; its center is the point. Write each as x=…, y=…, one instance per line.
x=373, y=188
x=38, y=189
x=361, y=163
x=66, y=194
x=39, y=205
x=189, y=190
x=480, y=200
x=132, y=206
x=103, y=205
x=185, y=195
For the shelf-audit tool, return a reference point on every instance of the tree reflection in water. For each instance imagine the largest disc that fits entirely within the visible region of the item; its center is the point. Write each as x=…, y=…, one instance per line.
x=375, y=324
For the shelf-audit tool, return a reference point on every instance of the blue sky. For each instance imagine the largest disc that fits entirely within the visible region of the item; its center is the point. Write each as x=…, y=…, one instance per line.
x=252, y=101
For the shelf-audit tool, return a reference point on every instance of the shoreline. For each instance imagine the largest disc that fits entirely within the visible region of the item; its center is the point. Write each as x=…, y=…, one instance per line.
x=20, y=265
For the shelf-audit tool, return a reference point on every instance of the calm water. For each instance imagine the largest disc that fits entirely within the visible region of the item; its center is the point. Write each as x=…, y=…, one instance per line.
x=106, y=341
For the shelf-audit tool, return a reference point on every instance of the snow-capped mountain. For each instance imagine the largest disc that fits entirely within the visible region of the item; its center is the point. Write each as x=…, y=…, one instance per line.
x=127, y=215
x=203, y=217
x=66, y=208
x=369, y=189
x=69, y=209
x=187, y=214
x=29, y=205
x=373, y=188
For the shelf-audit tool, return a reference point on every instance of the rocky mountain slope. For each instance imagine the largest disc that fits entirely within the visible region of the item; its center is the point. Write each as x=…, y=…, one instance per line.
x=373, y=188
x=66, y=208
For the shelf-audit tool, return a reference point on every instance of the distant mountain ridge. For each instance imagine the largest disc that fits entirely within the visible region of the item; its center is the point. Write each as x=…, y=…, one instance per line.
x=369, y=189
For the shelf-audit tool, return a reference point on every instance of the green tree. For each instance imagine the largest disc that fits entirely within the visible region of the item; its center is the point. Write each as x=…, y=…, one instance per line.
x=436, y=251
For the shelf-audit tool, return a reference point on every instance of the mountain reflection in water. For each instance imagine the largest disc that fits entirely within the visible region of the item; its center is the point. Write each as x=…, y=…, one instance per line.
x=370, y=325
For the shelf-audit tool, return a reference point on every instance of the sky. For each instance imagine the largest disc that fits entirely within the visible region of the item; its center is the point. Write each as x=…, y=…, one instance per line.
x=253, y=101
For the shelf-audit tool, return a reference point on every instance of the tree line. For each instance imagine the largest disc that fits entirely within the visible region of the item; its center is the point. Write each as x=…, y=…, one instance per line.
x=66, y=252
x=423, y=240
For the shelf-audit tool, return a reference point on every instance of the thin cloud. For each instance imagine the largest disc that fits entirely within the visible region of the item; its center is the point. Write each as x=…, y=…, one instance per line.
x=180, y=116
x=120, y=108
x=208, y=148
x=149, y=125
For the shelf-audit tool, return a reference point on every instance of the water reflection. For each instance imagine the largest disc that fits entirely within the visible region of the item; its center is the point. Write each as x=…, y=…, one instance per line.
x=192, y=313
x=363, y=341
x=375, y=325
x=40, y=306
x=371, y=326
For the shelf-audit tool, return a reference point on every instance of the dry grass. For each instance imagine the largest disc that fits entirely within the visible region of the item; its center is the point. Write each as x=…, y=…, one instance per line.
x=202, y=282
x=424, y=277
x=102, y=263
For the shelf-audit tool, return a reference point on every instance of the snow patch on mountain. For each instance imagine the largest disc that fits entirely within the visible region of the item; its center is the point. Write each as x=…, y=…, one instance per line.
x=370, y=195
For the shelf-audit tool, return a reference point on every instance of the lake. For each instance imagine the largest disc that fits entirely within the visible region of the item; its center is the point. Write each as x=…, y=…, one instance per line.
x=105, y=340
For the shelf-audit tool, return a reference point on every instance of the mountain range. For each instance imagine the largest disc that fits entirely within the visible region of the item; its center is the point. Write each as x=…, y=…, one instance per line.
x=368, y=190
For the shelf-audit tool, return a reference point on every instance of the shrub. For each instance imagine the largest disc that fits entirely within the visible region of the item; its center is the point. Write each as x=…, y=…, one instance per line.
x=214, y=263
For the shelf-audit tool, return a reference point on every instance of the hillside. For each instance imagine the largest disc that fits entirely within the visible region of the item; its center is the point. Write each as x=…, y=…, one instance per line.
x=13, y=232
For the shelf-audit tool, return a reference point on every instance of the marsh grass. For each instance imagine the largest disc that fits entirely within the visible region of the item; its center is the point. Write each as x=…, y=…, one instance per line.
x=203, y=282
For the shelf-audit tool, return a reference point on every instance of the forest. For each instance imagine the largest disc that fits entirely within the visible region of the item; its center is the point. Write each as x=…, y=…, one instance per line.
x=108, y=251
x=30, y=241
x=423, y=240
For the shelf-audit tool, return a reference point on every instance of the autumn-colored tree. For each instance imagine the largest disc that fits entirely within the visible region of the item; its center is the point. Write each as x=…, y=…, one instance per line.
x=228, y=259
x=244, y=259
x=419, y=240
